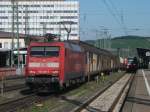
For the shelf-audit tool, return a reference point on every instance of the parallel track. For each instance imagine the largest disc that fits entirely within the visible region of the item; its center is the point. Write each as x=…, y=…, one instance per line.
x=131, y=83
x=13, y=105
x=120, y=94
x=13, y=83
x=14, y=77
x=90, y=100
x=14, y=87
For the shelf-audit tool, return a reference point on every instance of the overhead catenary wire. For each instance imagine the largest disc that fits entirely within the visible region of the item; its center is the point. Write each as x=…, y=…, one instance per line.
x=121, y=16
x=114, y=15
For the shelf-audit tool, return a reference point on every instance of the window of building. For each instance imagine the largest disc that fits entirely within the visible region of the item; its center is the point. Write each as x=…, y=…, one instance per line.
x=50, y=11
x=15, y=45
x=48, y=5
x=35, y=5
x=10, y=11
x=0, y=45
x=65, y=11
x=69, y=17
x=2, y=11
x=4, y=6
x=2, y=29
x=5, y=44
x=3, y=17
x=20, y=44
x=74, y=35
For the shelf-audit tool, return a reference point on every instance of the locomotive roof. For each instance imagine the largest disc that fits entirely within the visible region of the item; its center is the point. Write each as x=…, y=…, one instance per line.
x=67, y=44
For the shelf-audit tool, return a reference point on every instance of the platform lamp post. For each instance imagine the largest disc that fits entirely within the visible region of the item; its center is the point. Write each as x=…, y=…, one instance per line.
x=17, y=35
x=12, y=42
x=15, y=24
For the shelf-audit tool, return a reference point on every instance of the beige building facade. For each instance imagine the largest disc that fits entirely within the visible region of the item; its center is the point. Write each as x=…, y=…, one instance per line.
x=6, y=40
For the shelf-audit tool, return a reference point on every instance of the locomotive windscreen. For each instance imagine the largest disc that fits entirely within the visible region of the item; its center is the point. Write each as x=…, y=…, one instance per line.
x=44, y=51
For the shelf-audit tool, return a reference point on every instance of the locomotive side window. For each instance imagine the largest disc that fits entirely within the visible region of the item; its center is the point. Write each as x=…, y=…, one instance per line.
x=41, y=51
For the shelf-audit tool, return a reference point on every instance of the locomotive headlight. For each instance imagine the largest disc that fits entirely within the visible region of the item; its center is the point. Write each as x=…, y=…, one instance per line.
x=55, y=72
x=53, y=64
x=32, y=72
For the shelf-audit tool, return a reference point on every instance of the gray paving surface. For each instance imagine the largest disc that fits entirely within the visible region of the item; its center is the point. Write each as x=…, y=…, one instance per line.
x=104, y=102
x=138, y=99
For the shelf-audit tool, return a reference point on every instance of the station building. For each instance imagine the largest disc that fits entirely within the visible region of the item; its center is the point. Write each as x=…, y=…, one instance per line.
x=144, y=57
x=38, y=17
x=6, y=40
x=6, y=45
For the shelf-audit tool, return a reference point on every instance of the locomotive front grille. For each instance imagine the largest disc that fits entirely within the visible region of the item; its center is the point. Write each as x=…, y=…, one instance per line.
x=42, y=80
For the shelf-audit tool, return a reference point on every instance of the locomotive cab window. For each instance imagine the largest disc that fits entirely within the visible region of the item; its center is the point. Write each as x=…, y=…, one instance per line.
x=43, y=51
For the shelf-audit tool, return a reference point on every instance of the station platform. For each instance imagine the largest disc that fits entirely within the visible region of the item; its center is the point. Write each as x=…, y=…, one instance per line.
x=105, y=102
x=138, y=99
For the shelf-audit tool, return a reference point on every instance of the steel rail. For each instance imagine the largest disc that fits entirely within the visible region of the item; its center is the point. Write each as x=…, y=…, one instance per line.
x=14, y=104
x=131, y=83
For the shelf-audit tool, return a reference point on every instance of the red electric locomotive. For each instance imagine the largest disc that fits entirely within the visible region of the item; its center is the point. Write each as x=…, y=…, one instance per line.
x=54, y=64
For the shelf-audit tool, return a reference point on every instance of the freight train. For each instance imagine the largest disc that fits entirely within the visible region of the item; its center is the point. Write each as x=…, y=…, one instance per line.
x=54, y=65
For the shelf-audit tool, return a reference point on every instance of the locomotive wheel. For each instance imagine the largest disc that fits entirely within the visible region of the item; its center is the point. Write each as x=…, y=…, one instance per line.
x=66, y=85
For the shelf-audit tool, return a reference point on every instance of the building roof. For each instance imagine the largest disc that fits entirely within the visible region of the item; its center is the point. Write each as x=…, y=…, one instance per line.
x=8, y=35
x=143, y=53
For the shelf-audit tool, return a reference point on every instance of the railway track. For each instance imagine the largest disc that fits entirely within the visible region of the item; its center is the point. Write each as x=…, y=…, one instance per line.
x=94, y=97
x=28, y=100
x=14, y=87
x=13, y=105
x=13, y=77
x=12, y=83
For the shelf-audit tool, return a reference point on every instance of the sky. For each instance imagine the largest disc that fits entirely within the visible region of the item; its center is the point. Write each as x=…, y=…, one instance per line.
x=118, y=17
